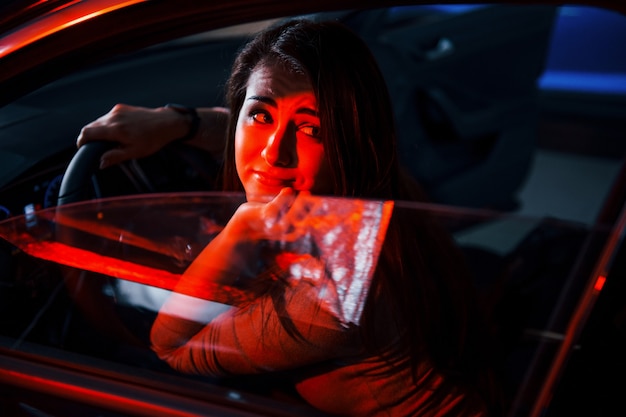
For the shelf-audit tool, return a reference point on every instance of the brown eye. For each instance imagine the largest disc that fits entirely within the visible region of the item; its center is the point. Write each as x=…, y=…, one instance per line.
x=261, y=117
x=311, y=130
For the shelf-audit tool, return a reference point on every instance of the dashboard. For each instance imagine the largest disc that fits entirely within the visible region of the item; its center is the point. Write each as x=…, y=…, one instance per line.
x=36, y=189
x=175, y=168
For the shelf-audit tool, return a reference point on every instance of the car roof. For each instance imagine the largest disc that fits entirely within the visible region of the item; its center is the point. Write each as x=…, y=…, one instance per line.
x=41, y=41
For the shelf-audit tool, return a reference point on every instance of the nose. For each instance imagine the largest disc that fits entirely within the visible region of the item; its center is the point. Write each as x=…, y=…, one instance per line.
x=280, y=149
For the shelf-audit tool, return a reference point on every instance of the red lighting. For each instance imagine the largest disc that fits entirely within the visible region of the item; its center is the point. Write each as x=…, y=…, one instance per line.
x=90, y=261
x=59, y=20
x=97, y=397
x=599, y=283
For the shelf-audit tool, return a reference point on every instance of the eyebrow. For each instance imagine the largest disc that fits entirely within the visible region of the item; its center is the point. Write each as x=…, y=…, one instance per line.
x=271, y=102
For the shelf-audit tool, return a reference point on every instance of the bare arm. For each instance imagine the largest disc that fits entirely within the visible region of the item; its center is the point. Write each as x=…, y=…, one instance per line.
x=252, y=338
x=142, y=131
x=198, y=336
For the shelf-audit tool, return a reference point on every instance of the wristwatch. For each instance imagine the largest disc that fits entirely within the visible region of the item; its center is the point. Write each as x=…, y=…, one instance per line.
x=194, y=120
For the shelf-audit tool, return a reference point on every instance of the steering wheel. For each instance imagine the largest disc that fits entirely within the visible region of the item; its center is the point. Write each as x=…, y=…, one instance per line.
x=77, y=182
x=88, y=289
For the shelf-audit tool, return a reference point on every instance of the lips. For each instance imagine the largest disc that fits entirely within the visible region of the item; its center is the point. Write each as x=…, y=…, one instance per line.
x=269, y=180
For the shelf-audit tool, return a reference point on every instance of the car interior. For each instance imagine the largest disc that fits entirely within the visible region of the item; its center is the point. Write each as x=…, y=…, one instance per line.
x=476, y=127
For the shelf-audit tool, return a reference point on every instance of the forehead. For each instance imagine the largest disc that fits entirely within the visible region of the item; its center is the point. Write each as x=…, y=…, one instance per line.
x=277, y=82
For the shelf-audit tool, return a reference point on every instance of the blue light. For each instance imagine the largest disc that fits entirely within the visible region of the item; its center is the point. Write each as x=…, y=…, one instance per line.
x=579, y=81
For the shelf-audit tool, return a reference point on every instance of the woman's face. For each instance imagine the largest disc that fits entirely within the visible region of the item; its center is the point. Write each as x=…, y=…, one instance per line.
x=277, y=141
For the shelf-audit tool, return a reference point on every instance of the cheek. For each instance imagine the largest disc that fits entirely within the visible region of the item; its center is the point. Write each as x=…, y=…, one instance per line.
x=318, y=172
x=246, y=148
x=238, y=150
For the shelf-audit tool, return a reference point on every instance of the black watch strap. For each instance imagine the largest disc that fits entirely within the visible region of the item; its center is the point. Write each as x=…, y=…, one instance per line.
x=194, y=123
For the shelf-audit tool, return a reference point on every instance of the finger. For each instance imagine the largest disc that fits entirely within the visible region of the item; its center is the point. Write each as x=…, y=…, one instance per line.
x=295, y=220
x=113, y=157
x=273, y=207
x=296, y=223
x=282, y=203
x=93, y=132
x=302, y=206
x=275, y=210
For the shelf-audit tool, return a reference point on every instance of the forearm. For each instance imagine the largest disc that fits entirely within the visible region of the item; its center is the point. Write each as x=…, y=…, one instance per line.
x=253, y=338
x=210, y=133
x=172, y=334
x=188, y=310
x=143, y=131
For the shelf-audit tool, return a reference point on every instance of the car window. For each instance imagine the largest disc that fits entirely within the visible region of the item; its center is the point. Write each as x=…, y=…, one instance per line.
x=510, y=117
x=597, y=61
x=91, y=278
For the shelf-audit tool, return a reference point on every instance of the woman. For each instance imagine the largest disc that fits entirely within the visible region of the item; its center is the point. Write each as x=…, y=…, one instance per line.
x=309, y=112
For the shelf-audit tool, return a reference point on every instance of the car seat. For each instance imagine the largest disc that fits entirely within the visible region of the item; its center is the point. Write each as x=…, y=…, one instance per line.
x=464, y=86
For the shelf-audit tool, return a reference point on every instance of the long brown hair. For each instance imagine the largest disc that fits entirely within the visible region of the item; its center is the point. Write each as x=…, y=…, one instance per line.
x=420, y=283
x=353, y=102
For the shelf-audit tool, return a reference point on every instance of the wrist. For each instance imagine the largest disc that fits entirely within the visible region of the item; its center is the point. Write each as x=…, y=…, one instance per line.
x=193, y=120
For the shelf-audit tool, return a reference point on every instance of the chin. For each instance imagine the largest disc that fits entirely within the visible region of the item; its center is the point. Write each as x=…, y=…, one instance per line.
x=260, y=197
